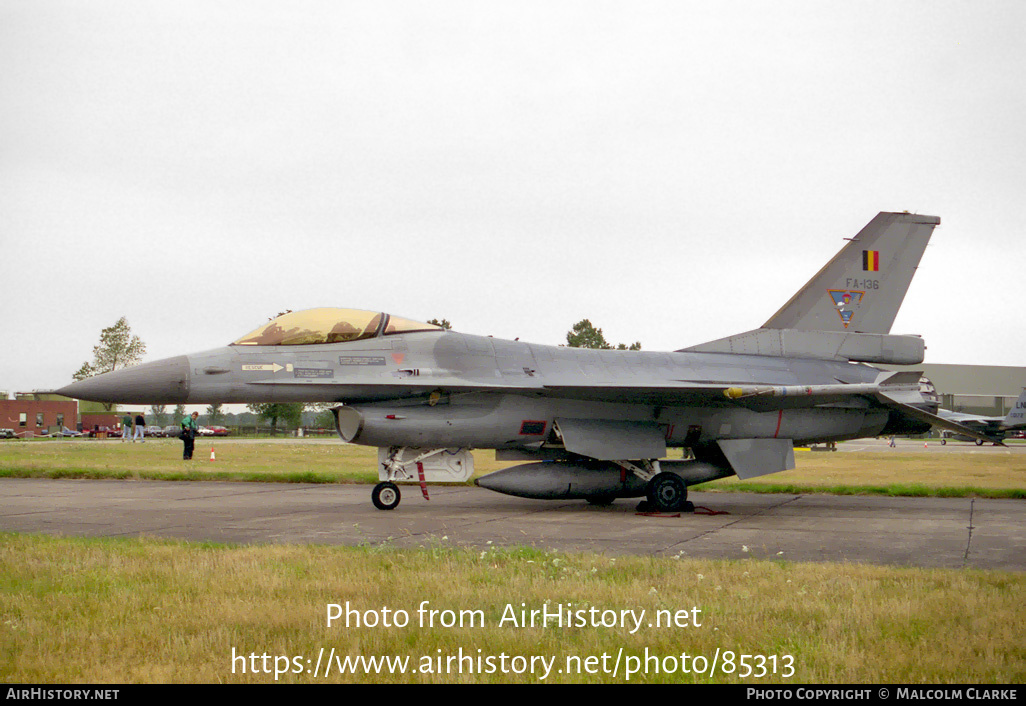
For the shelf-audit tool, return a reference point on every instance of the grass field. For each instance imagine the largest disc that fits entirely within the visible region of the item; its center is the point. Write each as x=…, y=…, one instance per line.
x=90, y=610
x=943, y=474
x=957, y=474
x=296, y=461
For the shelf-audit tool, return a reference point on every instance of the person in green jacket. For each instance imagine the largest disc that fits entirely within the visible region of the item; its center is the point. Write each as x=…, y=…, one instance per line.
x=126, y=427
x=189, y=429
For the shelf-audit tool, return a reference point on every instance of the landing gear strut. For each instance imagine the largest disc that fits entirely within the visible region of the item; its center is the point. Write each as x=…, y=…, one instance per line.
x=401, y=464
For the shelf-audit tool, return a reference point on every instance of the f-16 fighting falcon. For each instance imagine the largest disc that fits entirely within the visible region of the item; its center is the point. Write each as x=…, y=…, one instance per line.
x=995, y=428
x=587, y=424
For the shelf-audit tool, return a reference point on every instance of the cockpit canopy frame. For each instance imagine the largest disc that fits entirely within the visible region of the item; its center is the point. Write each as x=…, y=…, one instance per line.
x=330, y=325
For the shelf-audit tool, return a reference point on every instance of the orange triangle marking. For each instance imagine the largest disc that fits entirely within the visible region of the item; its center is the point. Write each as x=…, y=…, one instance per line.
x=398, y=358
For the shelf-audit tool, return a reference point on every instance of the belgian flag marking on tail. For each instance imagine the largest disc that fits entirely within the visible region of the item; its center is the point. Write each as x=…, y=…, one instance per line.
x=871, y=260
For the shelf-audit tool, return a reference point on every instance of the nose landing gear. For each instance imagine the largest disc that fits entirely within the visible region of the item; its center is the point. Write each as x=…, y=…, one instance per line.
x=406, y=464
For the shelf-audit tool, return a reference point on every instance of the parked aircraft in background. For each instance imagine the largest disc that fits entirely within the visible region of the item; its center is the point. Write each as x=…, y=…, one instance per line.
x=589, y=424
x=995, y=429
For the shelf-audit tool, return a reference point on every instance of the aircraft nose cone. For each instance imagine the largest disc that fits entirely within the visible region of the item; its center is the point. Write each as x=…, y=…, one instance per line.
x=160, y=382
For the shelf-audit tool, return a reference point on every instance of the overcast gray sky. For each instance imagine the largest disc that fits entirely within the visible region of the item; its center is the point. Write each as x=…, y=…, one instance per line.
x=673, y=171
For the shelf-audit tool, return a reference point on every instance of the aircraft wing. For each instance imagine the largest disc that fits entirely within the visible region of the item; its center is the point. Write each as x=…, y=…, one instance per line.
x=896, y=390
x=675, y=392
x=757, y=397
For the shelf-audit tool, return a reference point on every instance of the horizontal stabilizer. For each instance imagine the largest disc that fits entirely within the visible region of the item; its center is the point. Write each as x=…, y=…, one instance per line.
x=893, y=401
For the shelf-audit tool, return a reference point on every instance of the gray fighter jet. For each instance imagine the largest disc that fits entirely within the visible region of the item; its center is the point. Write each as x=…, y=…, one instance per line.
x=588, y=424
x=994, y=428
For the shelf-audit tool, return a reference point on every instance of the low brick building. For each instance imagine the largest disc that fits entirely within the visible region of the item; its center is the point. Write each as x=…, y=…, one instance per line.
x=30, y=418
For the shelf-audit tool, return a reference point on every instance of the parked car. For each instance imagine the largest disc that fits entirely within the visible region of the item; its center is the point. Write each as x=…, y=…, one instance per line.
x=172, y=431
x=7, y=434
x=205, y=431
x=153, y=431
x=219, y=431
x=67, y=432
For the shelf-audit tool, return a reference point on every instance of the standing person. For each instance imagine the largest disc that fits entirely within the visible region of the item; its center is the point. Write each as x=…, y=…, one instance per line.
x=126, y=427
x=140, y=427
x=189, y=428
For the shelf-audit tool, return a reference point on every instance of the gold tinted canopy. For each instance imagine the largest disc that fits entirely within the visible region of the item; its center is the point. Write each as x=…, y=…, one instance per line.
x=313, y=326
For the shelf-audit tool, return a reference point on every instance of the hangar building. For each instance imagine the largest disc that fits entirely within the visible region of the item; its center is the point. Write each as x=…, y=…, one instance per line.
x=990, y=390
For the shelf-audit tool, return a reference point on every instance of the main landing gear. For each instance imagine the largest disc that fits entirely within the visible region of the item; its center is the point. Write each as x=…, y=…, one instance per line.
x=665, y=492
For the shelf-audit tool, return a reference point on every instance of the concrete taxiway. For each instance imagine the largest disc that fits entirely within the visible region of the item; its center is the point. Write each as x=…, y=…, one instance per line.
x=926, y=532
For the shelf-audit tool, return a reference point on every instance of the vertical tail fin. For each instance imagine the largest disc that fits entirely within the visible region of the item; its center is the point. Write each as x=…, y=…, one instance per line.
x=862, y=287
x=1016, y=417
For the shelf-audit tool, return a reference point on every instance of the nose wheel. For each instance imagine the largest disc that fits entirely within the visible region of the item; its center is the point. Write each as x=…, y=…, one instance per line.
x=386, y=496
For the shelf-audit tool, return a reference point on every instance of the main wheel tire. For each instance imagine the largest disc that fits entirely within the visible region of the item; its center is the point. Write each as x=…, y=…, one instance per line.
x=944, y=442
x=386, y=496
x=979, y=442
x=668, y=492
